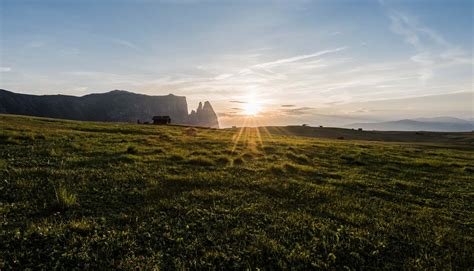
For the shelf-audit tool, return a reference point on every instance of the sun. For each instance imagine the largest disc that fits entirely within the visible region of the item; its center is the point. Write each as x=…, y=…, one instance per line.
x=251, y=109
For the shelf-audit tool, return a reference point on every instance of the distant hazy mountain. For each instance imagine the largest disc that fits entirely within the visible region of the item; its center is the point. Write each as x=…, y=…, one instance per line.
x=441, y=124
x=117, y=105
x=444, y=120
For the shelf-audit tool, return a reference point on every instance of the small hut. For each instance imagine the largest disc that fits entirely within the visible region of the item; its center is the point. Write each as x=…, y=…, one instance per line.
x=161, y=120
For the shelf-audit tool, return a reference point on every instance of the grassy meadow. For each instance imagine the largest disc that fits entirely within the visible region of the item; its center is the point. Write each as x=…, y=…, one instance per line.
x=83, y=195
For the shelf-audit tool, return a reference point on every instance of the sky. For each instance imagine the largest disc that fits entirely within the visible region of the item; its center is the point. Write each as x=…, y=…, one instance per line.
x=283, y=62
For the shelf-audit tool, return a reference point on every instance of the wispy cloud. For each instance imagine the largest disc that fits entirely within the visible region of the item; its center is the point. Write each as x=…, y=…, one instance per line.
x=126, y=43
x=297, y=58
x=433, y=50
x=298, y=111
x=5, y=69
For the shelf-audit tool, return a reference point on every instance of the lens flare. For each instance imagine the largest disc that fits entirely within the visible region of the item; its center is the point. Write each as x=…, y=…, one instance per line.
x=251, y=109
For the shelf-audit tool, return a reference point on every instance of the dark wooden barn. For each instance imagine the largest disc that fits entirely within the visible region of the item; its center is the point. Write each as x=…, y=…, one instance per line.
x=161, y=120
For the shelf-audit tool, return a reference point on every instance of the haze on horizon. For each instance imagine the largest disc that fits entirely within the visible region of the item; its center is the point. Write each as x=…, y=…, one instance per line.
x=282, y=62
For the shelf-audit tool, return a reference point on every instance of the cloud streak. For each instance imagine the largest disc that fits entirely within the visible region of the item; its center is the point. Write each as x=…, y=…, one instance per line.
x=297, y=58
x=126, y=43
x=433, y=50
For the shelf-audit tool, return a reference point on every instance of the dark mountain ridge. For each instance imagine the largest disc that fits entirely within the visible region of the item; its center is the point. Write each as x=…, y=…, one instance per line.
x=113, y=106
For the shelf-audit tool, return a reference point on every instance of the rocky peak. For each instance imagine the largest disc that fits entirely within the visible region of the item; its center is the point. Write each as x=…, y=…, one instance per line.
x=207, y=106
x=204, y=116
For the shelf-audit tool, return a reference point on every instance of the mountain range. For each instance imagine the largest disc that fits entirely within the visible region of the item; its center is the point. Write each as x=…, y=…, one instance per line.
x=113, y=106
x=437, y=124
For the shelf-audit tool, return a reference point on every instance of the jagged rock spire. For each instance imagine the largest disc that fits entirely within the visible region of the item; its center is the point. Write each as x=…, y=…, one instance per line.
x=204, y=116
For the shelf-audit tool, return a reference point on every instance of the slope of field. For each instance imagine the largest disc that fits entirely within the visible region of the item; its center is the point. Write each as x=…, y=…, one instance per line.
x=353, y=134
x=103, y=196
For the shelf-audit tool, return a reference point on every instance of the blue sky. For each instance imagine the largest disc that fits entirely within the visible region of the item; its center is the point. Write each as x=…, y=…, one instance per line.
x=329, y=62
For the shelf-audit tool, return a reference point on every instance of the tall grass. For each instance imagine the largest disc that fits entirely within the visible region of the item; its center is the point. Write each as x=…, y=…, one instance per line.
x=64, y=198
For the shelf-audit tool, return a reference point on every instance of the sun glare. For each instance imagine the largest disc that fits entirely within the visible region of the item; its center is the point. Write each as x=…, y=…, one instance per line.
x=251, y=109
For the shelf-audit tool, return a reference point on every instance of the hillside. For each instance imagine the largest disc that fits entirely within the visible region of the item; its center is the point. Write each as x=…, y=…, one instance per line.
x=113, y=106
x=89, y=195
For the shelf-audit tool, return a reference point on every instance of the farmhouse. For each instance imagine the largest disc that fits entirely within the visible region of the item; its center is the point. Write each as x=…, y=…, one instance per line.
x=161, y=120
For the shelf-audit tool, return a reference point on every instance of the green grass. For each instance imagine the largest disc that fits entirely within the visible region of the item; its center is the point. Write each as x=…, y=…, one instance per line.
x=122, y=196
x=64, y=198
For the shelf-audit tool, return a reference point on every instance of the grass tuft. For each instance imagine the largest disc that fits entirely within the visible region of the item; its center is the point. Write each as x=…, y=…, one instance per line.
x=201, y=161
x=64, y=198
x=299, y=158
